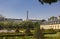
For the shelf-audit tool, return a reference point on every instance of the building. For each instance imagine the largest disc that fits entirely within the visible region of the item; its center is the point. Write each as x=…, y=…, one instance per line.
x=1, y=18
x=13, y=20
x=34, y=20
x=54, y=24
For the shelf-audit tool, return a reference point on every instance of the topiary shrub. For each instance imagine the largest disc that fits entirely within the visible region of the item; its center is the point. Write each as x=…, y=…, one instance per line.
x=28, y=32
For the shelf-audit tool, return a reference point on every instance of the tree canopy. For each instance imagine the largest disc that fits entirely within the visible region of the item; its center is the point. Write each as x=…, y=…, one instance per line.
x=52, y=18
x=48, y=1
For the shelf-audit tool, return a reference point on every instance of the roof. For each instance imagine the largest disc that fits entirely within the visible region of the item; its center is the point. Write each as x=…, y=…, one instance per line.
x=51, y=22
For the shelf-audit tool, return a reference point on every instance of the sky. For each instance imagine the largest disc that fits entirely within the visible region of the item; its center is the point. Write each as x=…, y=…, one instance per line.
x=18, y=9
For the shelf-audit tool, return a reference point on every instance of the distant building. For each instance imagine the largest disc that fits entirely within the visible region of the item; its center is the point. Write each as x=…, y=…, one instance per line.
x=1, y=18
x=54, y=24
x=13, y=20
x=34, y=20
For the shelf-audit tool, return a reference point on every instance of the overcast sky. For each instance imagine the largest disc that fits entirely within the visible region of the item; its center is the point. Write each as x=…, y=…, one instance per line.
x=18, y=9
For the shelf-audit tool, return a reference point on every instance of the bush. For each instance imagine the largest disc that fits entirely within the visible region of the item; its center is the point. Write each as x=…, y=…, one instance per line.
x=17, y=30
x=28, y=32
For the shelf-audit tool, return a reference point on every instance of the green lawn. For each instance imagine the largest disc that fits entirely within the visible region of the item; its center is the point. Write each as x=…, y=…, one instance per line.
x=47, y=36
x=17, y=37
x=53, y=36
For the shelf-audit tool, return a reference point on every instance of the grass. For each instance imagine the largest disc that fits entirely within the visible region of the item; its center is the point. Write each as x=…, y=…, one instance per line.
x=47, y=36
x=26, y=37
x=17, y=37
x=52, y=36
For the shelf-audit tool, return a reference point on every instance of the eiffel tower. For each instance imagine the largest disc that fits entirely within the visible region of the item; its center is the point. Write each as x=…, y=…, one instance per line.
x=27, y=16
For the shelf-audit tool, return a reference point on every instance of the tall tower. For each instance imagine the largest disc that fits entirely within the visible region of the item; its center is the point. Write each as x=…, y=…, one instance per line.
x=27, y=16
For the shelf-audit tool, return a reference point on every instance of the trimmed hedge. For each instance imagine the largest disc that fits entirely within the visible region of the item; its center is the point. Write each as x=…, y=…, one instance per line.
x=49, y=31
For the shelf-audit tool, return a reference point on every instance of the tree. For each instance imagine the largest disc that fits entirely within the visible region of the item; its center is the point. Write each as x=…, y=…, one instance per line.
x=24, y=25
x=28, y=32
x=17, y=30
x=43, y=20
x=8, y=25
x=1, y=25
x=52, y=18
x=27, y=26
x=16, y=27
x=2, y=18
x=48, y=1
x=38, y=32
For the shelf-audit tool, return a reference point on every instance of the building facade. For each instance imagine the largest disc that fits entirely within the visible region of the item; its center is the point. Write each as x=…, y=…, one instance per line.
x=51, y=24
